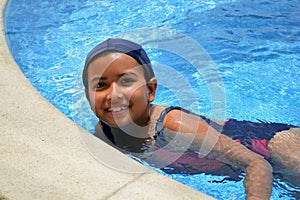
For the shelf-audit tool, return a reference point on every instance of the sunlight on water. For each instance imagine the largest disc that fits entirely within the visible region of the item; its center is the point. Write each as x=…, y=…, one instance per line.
x=254, y=44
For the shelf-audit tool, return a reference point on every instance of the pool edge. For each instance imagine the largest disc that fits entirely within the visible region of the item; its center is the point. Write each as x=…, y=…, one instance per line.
x=43, y=157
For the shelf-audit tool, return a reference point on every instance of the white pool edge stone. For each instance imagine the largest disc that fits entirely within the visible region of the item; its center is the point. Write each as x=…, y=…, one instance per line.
x=43, y=156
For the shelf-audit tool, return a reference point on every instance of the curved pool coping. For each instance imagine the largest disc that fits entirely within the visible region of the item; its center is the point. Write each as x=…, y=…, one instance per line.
x=43, y=156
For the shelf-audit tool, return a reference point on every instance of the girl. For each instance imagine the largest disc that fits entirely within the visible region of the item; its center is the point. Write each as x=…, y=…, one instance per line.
x=120, y=85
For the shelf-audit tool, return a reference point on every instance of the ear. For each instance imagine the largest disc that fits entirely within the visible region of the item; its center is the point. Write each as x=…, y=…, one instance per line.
x=152, y=85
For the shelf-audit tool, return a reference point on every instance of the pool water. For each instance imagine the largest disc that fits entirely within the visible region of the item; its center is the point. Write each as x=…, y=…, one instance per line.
x=255, y=46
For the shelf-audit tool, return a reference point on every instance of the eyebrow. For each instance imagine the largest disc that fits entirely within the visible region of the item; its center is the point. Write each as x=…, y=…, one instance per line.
x=97, y=78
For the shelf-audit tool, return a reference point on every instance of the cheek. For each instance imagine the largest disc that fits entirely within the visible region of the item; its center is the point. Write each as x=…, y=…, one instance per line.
x=140, y=95
x=95, y=100
x=98, y=99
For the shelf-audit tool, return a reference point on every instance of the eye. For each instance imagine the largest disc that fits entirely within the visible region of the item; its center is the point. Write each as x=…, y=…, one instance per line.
x=100, y=86
x=127, y=81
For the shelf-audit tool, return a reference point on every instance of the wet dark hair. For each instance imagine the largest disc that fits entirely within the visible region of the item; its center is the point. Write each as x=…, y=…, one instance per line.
x=130, y=48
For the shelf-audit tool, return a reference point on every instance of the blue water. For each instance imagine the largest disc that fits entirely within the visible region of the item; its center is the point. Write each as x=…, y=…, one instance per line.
x=255, y=46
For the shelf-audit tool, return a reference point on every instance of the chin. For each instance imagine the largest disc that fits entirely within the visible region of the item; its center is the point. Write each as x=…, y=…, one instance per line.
x=121, y=123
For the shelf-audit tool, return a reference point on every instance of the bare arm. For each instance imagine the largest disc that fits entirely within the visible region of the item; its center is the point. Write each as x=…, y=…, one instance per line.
x=258, y=180
x=208, y=141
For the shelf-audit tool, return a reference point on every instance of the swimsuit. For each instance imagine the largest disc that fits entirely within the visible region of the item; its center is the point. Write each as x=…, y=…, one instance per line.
x=254, y=135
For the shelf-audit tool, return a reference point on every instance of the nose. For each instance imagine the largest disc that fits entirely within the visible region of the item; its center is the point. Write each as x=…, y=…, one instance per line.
x=114, y=93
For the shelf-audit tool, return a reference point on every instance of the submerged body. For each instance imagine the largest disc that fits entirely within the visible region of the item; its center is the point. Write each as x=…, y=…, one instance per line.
x=120, y=86
x=256, y=136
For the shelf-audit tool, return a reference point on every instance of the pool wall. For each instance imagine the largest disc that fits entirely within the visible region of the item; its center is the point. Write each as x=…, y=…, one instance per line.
x=43, y=156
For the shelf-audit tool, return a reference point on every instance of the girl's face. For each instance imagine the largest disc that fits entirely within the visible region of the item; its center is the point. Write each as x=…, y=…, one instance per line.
x=117, y=90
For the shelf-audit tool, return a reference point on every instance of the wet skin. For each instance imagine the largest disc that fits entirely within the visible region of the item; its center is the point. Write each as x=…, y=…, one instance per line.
x=119, y=96
x=118, y=92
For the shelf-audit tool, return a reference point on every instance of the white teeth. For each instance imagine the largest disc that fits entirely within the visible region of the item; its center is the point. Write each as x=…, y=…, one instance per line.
x=117, y=109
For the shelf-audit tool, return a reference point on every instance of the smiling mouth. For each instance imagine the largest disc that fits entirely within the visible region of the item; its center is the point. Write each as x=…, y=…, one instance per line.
x=118, y=109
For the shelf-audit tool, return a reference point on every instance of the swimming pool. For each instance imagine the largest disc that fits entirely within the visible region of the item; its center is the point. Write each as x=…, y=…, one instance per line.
x=254, y=44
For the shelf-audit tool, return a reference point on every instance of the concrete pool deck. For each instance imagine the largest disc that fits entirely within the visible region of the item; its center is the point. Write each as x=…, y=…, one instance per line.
x=44, y=155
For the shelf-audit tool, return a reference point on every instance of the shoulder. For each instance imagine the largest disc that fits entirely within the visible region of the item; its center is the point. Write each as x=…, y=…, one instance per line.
x=173, y=119
x=184, y=121
x=176, y=118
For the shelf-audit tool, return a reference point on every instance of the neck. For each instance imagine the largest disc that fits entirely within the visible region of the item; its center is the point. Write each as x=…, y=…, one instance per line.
x=132, y=130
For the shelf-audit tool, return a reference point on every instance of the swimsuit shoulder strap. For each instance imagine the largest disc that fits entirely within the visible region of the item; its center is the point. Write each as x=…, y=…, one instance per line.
x=159, y=124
